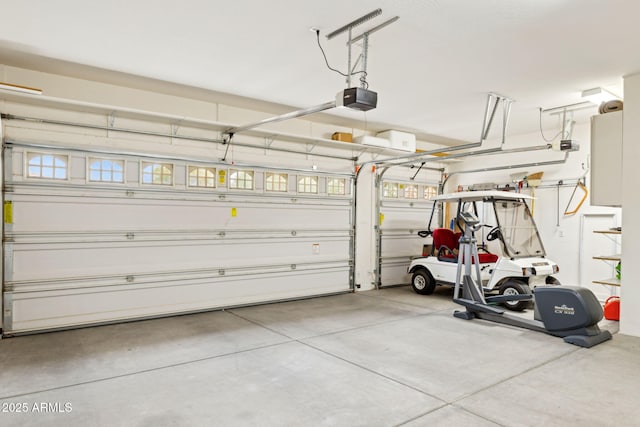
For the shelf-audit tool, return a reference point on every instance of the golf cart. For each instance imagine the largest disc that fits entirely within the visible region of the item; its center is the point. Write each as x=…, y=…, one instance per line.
x=511, y=257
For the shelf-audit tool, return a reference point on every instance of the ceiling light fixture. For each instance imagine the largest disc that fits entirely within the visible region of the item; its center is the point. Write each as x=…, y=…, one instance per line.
x=18, y=88
x=599, y=95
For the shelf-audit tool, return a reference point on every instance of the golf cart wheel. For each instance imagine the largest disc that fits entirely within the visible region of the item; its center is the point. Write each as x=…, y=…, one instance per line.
x=422, y=282
x=515, y=287
x=552, y=281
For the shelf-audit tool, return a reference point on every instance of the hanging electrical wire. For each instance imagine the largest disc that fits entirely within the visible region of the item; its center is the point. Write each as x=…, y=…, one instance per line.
x=542, y=132
x=326, y=61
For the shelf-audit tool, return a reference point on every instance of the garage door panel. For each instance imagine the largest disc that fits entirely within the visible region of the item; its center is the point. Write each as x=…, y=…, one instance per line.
x=394, y=271
x=73, y=260
x=33, y=213
x=402, y=244
x=34, y=311
x=406, y=217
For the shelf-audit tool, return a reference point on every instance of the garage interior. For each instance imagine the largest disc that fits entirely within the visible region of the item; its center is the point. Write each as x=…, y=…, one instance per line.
x=201, y=225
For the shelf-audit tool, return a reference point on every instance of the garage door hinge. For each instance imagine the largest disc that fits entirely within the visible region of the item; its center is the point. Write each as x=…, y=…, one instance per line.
x=221, y=272
x=129, y=193
x=129, y=279
x=130, y=236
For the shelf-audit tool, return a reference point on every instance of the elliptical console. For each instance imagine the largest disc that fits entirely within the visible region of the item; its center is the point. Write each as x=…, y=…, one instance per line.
x=570, y=312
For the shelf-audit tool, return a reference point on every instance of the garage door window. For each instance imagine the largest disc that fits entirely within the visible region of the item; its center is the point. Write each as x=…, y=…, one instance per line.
x=47, y=166
x=410, y=191
x=308, y=184
x=202, y=177
x=106, y=170
x=430, y=192
x=336, y=186
x=276, y=181
x=390, y=189
x=240, y=179
x=157, y=173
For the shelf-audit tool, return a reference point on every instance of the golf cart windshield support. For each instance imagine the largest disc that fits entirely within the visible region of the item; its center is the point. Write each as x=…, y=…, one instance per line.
x=518, y=232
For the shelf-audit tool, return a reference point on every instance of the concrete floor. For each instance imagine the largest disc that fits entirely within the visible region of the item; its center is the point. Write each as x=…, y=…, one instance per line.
x=379, y=358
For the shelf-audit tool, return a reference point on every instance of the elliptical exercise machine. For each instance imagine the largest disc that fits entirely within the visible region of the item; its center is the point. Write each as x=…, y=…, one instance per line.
x=569, y=312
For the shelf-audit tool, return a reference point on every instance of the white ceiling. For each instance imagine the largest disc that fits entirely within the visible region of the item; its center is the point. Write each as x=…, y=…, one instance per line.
x=432, y=68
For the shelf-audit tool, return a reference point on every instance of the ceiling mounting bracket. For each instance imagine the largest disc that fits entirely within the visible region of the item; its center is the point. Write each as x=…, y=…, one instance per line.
x=364, y=150
x=493, y=101
x=365, y=45
x=365, y=50
x=360, y=99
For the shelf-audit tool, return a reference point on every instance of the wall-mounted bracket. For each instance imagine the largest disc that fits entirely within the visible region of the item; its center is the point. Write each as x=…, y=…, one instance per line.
x=112, y=119
x=311, y=147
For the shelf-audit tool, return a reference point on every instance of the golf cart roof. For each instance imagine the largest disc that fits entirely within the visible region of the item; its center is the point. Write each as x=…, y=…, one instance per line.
x=473, y=196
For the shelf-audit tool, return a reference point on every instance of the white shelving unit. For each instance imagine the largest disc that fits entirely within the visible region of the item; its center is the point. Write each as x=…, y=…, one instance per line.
x=615, y=258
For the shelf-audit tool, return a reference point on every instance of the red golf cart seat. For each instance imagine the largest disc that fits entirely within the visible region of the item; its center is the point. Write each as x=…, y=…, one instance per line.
x=445, y=242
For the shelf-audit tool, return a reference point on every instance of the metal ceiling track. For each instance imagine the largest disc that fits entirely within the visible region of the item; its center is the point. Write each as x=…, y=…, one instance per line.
x=513, y=166
x=493, y=101
x=287, y=116
x=491, y=108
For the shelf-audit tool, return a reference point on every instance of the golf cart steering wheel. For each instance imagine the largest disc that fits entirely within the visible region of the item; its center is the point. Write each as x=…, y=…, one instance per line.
x=494, y=233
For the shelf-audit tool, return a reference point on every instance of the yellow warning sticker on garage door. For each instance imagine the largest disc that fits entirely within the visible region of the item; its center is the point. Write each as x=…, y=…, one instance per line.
x=234, y=212
x=8, y=212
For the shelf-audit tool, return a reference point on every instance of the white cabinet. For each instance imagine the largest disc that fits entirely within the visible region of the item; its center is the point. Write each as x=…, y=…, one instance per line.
x=606, y=159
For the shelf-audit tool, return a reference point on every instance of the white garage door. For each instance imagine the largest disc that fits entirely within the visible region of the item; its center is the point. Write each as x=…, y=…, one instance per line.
x=404, y=210
x=93, y=237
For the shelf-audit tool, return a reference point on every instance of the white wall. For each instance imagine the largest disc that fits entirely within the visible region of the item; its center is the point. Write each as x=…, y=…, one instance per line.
x=630, y=289
x=365, y=233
